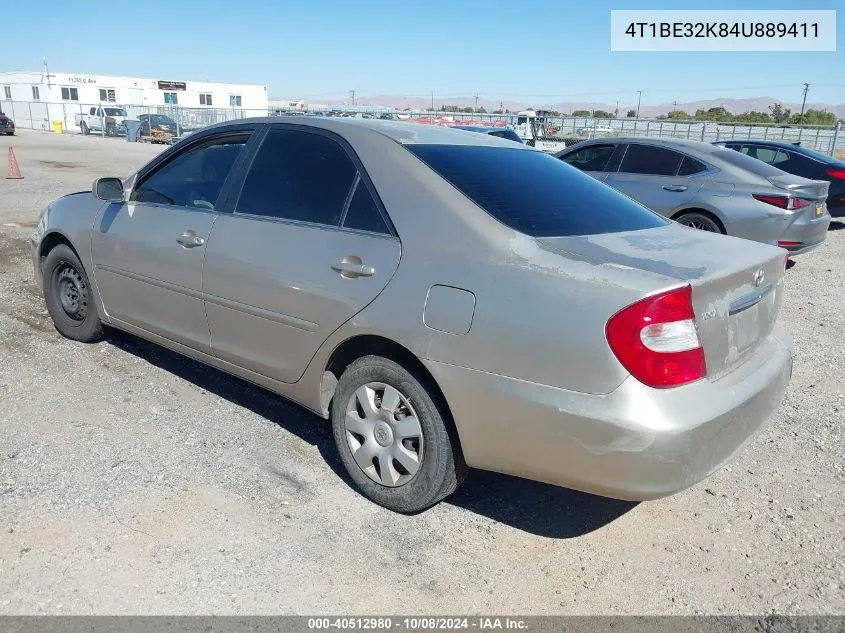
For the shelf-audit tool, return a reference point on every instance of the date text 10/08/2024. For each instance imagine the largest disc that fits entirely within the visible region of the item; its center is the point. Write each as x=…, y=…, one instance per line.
x=417, y=623
x=722, y=29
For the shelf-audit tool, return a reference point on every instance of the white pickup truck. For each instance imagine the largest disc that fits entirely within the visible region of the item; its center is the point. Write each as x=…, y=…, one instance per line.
x=108, y=119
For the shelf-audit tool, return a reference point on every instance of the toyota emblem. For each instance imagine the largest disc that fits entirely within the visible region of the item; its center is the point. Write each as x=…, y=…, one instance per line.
x=759, y=277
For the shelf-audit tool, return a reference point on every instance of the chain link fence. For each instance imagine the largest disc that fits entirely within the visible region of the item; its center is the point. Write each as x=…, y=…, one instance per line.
x=39, y=115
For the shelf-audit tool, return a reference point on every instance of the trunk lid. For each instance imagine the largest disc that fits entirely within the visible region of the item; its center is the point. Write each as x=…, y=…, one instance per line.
x=801, y=187
x=736, y=284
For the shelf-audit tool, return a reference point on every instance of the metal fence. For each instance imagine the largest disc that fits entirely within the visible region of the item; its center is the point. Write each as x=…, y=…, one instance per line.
x=39, y=115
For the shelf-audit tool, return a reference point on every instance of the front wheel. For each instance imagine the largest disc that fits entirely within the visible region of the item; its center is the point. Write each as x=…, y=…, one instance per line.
x=69, y=296
x=392, y=437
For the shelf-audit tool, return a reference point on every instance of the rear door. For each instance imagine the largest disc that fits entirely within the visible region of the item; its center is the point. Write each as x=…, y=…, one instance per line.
x=662, y=179
x=307, y=247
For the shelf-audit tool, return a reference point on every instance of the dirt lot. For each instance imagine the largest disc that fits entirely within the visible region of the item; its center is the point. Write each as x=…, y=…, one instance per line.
x=134, y=481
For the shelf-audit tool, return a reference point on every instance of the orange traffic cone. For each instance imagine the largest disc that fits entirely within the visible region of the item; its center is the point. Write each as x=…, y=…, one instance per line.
x=14, y=172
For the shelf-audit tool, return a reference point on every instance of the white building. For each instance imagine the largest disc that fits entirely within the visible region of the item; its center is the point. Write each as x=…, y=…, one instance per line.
x=34, y=99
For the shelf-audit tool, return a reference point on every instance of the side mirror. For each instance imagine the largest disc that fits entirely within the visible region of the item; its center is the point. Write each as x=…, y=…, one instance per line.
x=110, y=189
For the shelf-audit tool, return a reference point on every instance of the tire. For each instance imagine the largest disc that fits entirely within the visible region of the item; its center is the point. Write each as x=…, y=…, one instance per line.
x=427, y=445
x=84, y=127
x=702, y=221
x=11, y=132
x=69, y=296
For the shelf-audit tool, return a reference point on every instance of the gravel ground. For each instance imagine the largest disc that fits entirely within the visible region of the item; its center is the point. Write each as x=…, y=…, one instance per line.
x=135, y=481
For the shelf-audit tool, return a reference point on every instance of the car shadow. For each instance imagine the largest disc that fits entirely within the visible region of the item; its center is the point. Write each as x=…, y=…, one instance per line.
x=836, y=225
x=533, y=507
x=790, y=263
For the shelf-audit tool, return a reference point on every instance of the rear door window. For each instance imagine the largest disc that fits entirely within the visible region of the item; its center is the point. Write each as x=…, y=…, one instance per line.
x=535, y=193
x=650, y=160
x=691, y=166
x=770, y=155
x=299, y=176
x=363, y=214
x=592, y=158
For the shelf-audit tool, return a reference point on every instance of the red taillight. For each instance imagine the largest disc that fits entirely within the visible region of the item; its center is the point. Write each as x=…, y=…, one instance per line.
x=783, y=202
x=839, y=174
x=656, y=341
x=788, y=244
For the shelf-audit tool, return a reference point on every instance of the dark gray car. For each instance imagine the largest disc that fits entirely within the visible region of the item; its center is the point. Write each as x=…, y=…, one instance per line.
x=711, y=188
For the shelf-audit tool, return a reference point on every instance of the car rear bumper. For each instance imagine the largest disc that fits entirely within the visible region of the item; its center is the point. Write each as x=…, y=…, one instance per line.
x=635, y=443
x=808, y=232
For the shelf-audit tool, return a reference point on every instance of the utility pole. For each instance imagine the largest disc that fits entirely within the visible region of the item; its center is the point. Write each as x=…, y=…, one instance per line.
x=352, y=94
x=639, y=98
x=432, y=100
x=803, y=103
x=476, y=95
x=616, y=111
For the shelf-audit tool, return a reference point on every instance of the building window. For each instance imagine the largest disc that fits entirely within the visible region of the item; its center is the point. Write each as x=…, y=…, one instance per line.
x=205, y=99
x=36, y=94
x=7, y=90
x=171, y=98
x=235, y=101
x=107, y=94
x=70, y=94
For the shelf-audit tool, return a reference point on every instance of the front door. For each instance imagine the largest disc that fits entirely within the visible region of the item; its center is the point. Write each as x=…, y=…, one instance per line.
x=592, y=159
x=148, y=252
x=307, y=247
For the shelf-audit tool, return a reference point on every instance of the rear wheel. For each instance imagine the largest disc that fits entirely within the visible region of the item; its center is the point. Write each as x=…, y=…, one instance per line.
x=392, y=437
x=701, y=221
x=69, y=297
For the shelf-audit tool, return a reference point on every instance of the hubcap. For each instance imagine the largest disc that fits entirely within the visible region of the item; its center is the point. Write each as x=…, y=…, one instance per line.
x=72, y=292
x=384, y=434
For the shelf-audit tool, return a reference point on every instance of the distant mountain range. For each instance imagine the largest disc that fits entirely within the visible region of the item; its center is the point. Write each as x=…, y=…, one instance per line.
x=735, y=106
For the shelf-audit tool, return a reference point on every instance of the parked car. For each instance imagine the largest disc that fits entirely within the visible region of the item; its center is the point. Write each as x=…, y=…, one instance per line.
x=710, y=188
x=159, y=122
x=537, y=323
x=7, y=126
x=801, y=161
x=501, y=132
x=100, y=118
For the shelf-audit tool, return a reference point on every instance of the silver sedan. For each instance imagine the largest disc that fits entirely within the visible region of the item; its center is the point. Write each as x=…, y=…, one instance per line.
x=711, y=188
x=447, y=299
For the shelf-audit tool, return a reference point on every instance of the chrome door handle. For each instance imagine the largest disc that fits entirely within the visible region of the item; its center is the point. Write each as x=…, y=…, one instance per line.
x=352, y=267
x=189, y=239
x=675, y=187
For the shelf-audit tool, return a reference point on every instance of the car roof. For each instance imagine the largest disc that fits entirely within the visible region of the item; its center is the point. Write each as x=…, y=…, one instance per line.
x=680, y=145
x=782, y=145
x=761, y=141
x=403, y=132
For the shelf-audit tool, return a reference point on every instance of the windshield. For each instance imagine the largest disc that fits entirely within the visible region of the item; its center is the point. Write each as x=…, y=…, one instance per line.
x=535, y=193
x=115, y=112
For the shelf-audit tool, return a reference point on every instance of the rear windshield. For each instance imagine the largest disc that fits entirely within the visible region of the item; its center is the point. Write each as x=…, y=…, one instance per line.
x=535, y=193
x=746, y=162
x=806, y=151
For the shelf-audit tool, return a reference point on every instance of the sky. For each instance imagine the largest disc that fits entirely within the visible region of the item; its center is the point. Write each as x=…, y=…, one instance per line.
x=531, y=51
